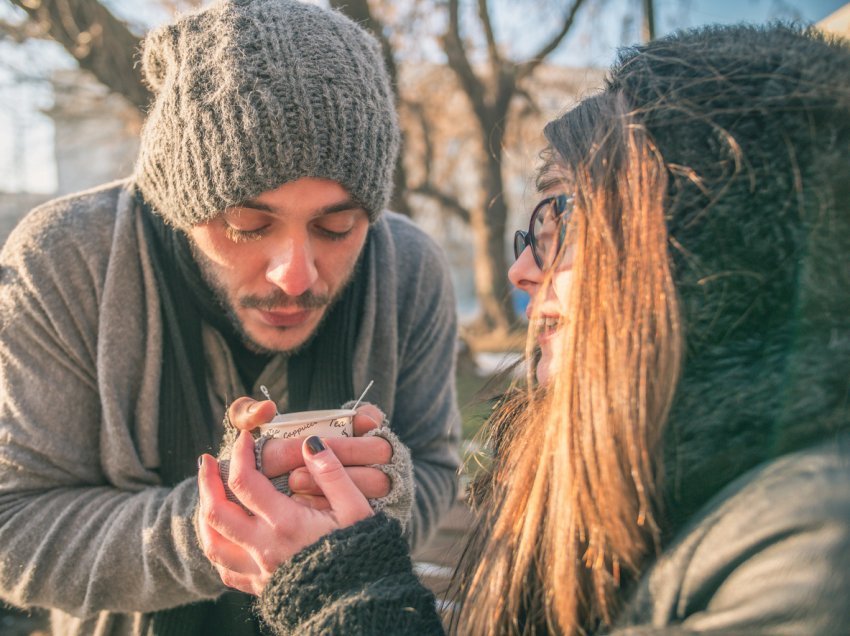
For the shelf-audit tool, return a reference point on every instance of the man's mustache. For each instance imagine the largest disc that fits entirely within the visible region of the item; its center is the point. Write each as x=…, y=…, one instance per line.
x=279, y=299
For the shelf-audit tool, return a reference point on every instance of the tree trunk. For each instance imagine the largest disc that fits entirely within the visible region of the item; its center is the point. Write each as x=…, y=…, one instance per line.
x=648, y=23
x=489, y=225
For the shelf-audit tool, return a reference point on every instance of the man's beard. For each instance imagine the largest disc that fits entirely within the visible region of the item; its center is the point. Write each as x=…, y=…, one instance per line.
x=278, y=299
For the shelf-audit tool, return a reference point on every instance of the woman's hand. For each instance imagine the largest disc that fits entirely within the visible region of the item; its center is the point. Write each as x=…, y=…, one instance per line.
x=246, y=549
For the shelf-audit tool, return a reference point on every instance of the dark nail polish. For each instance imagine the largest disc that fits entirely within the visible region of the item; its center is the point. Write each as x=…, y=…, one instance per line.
x=314, y=445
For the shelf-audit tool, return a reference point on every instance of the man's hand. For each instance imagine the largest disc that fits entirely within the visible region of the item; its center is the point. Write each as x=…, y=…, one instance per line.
x=357, y=454
x=246, y=549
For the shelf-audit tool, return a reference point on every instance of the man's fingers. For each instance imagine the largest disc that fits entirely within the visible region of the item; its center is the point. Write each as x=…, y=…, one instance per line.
x=316, y=502
x=247, y=414
x=284, y=455
x=370, y=481
x=368, y=417
x=345, y=499
x=250, y=486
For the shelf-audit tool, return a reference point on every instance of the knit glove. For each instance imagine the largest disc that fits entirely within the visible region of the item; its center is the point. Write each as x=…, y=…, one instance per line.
x=398, y=503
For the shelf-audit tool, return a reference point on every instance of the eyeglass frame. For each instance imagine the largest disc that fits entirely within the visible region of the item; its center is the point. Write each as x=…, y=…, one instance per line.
x=524, y=239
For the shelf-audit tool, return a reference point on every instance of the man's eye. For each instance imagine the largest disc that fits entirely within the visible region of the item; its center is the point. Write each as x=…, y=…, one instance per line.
x=238, y=235
x=334, y=232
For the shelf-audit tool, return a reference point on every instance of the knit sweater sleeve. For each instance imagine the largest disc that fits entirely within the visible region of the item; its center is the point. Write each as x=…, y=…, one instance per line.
x=358, y=580
x=85, y=525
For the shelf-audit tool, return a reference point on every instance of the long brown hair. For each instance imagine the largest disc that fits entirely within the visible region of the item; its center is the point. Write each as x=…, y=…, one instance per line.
x=569, y=511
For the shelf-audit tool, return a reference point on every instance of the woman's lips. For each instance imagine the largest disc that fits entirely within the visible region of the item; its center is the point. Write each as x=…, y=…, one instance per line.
x=284, y=318
x=547, y=327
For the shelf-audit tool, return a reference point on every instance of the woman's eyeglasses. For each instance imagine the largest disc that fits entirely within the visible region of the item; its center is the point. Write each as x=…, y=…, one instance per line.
x=546, y=230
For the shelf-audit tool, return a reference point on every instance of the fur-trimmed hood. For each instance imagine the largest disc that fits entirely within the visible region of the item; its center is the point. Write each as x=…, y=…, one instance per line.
x=757, y=140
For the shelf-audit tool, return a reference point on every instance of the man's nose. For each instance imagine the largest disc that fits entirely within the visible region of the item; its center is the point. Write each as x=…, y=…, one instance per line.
x=293, y=269
x=524, y=273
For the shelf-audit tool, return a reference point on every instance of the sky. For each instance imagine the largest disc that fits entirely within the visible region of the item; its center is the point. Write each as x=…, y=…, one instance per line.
x=26, y=133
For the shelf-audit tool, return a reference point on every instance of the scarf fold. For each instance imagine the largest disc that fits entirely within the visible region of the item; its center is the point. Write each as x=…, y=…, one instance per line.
x=320, y=376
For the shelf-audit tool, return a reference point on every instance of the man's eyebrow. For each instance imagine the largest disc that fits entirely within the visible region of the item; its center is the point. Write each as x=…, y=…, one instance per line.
x=254, y=205
x=341, y=206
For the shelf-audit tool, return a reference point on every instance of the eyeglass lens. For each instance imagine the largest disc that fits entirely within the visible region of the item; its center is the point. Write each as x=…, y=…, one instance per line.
x=520, y=243
x=545, y=228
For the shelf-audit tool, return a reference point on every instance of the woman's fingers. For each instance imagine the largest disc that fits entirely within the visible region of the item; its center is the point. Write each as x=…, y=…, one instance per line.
x=215, y=512
x=282, y=456
x=250, y=486
x=346, y=500
x=246, y=414
x=214, y=507
x=224, y=554
x=370, y=481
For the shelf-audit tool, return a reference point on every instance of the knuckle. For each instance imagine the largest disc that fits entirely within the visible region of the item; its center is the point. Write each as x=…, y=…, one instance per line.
x=210, y=517
x=237, y=483
x=381, y=449
x=213, y=555
x=267, y=561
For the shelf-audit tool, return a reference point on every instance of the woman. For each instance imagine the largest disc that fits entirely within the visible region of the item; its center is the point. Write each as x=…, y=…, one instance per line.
x=683, y=462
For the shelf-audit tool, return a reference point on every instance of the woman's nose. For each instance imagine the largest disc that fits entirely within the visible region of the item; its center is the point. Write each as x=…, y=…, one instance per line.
x=524, y=273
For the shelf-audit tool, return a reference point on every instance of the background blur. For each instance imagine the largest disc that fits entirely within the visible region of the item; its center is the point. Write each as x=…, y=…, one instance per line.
x=475, y=82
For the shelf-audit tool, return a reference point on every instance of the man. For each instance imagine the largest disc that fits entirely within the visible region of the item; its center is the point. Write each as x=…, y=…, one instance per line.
x=249, y=248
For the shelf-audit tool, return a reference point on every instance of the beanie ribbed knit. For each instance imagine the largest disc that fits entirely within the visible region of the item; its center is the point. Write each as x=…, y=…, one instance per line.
x=253, y=94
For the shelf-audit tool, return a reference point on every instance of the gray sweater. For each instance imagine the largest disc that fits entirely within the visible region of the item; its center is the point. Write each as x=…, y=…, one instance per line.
x=86, y=529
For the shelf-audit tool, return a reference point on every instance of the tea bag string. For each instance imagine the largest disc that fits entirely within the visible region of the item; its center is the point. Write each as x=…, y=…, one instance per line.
x=362, y=395
x=265, y=392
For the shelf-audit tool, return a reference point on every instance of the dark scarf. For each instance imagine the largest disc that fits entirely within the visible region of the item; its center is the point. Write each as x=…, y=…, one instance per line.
x=319, y=376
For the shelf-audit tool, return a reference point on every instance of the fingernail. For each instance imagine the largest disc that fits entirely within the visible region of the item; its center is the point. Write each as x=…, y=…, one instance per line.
x=253, y=407
x=314, y=445
x=200, y=461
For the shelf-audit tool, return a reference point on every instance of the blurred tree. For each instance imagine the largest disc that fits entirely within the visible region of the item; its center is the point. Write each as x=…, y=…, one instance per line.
x=100, y=42
x=492, y=83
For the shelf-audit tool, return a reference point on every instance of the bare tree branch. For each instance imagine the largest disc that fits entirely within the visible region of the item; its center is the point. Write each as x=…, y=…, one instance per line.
x=359, y=11
x=21, y=32
x=447, y=202
x=427, y=187
x=101, y=43
x=459, y=63
x=492, y=47
x=528, y=67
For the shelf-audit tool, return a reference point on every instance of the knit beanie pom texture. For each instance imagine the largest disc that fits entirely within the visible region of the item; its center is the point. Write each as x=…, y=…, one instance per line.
x=253, y=94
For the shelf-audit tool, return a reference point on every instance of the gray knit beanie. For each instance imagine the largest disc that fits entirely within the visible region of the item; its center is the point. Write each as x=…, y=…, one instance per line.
x=253, y=94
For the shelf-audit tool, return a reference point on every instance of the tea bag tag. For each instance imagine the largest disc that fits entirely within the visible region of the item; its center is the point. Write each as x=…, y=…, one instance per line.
x=265, y=392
